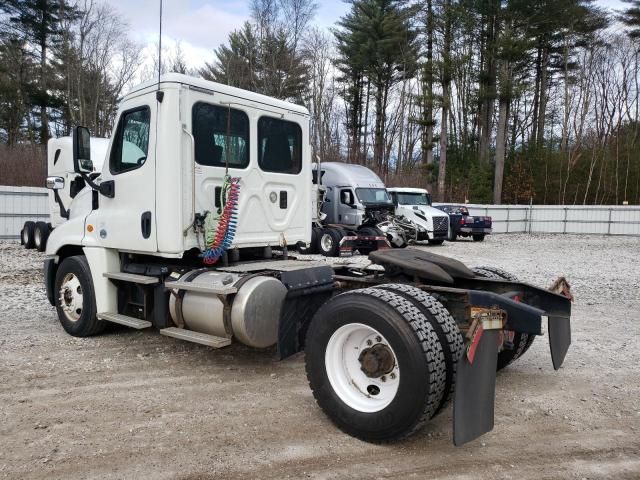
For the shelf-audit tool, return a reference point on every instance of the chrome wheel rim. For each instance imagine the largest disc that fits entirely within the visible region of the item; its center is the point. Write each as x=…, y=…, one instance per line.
x=362, y=368
x=326, y=242
x=71, y=297
x=37, y=237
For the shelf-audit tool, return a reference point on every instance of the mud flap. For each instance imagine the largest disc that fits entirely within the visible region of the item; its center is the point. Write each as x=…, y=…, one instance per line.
x=474, y=397
x=559, y=339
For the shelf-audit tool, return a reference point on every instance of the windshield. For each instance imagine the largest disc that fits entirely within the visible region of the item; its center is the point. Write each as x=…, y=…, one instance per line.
x=373, y=195
x=414, y=198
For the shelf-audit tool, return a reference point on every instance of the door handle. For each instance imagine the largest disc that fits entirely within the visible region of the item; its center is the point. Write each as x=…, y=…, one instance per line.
x=145, y=224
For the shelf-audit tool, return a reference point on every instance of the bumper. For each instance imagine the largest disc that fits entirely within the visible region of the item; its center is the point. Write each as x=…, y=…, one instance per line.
x=474, y=230
x=350, y=243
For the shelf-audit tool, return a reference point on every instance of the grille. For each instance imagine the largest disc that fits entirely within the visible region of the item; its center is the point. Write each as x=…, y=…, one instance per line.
x=440, y=225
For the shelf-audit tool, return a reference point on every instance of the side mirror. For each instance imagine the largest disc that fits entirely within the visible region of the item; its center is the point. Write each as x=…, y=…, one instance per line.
x=82, y=150
x=55, y=183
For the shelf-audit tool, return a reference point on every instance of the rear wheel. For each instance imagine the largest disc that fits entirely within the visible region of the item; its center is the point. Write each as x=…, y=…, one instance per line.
x=436, y=242
x=313, y=245
x=27, y=236
x=478, y=237
x=375, y=364
x=75, y=298
x=41, y=235
x=329, y=243
x=521, y=341
x=445, y=327
x=451, y=236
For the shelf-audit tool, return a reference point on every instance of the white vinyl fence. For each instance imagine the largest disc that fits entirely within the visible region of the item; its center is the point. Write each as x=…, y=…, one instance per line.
x=606, y=220
x=19, y=204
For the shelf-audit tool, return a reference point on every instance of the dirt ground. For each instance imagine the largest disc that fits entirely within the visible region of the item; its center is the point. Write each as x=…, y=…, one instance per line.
x=134, y=404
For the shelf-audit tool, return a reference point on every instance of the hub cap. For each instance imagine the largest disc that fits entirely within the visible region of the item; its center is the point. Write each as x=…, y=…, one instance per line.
x=362, y=368
x=326, y=242
x=70, y=297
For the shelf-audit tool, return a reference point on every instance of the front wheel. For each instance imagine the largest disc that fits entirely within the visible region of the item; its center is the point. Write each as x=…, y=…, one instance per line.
x=75, y=302
x=375, y=364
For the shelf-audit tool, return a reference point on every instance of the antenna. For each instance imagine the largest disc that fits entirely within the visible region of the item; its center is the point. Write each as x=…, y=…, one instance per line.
x=160, y=47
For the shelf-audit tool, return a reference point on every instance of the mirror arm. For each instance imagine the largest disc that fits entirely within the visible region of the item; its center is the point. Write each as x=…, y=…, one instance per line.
x=105, y=188
x=64, y=213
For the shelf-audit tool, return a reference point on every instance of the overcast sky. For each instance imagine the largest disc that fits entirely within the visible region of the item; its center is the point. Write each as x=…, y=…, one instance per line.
x=202, y=25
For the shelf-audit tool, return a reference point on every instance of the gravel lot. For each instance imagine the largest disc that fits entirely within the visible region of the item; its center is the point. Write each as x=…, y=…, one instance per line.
x=131, y=404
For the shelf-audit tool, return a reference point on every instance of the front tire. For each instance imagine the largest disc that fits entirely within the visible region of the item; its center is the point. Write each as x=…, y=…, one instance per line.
x=75, y=298
x=375, y=364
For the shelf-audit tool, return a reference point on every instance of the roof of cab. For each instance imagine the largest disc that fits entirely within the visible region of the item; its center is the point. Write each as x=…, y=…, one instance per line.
x=218, y=87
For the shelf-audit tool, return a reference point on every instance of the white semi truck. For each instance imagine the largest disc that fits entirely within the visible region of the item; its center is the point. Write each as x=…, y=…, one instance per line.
x=187, y=229
x=60, y=165
x=414, y=204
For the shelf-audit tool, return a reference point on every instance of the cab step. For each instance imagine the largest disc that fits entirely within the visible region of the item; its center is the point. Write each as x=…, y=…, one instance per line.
x=131, y=277
x=196, y=337
x=124, y=320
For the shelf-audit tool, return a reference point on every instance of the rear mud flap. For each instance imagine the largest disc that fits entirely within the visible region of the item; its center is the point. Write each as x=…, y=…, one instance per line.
x=474, y=397
x=559, y=339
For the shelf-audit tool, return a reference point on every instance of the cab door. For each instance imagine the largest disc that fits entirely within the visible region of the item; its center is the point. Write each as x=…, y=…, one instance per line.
x=127, y=220
x=266, y=151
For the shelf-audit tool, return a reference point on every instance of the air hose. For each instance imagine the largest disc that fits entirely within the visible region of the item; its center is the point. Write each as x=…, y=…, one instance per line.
x=220, y=241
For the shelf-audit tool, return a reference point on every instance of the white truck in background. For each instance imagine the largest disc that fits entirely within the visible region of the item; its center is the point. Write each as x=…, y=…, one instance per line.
x=188, y=233
x=60, y=165
x=414, y=204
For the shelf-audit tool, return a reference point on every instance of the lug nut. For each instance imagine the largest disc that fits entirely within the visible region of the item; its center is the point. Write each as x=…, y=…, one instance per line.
x=369, y=342
x=393, y=376
x=378, y=338
x=383, y=378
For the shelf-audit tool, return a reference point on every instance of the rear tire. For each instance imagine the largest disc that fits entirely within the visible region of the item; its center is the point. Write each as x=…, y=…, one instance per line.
x=436, y=242
x=313, y=245
x=521, y=341
x=375, y=395
x=40, y=236
x=445, y=327
x=75, y=298
x=478, y=238
x=27, y=236
x=329, y=242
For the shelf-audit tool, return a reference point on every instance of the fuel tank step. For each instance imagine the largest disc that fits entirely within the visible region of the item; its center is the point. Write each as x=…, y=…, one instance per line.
x=196, y=337
x=131, y=277
x=124, y=320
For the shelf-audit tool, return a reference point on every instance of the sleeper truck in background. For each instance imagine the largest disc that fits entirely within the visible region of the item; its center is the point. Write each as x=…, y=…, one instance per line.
x=187, y=229
x=60, y=167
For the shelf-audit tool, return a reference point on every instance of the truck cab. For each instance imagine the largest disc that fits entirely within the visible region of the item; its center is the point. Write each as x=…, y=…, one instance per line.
x=415, y=205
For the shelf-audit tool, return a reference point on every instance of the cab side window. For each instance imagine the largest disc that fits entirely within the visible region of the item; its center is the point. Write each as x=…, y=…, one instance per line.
x=279, y=146
x=131, y=142
x=221, y=135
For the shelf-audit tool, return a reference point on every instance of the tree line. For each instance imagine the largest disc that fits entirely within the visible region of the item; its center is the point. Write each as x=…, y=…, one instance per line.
x=480, y=100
